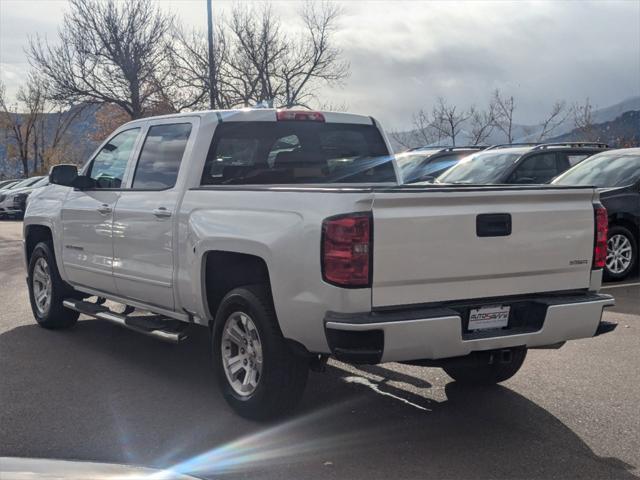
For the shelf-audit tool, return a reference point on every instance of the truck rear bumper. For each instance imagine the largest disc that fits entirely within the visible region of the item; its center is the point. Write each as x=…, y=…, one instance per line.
x=440, y=332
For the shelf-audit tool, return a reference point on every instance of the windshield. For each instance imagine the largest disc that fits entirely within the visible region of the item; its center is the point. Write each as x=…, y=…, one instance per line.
x=411, y=164
x=25, y=183
x=43, y=182
x=604, y=170
x=297, y=152
x=8, y=185
x=480, y=168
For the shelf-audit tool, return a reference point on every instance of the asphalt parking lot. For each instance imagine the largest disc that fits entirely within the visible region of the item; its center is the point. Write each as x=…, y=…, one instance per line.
x=100, y=393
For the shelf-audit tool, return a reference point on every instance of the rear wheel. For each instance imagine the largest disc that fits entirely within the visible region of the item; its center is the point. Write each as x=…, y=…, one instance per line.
x=622, y=253
x=258, y=373
x=47, y=290
x=486, y=368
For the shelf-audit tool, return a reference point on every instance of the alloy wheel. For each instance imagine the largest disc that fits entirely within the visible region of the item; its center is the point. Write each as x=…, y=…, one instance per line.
x=619, y=253
x=241, y=353
x=42, y=286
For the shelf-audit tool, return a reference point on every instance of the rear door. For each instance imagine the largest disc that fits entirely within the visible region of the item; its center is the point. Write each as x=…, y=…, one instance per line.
x=87, y=215
x=435, y=245
x=144, y=227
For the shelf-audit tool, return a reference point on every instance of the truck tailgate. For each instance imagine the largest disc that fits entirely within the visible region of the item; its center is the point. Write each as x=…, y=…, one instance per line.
x=439, y=244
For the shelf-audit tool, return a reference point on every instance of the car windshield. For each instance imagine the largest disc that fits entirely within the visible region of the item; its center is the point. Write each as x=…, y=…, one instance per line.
x=27, y=182
x=609, y=169
x=8, y=185
x=424, y=166
x=483, y=167
x=411, y=163
x=43, y=182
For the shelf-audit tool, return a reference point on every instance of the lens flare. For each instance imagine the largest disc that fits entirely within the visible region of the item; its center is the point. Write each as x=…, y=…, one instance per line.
x=284, y=443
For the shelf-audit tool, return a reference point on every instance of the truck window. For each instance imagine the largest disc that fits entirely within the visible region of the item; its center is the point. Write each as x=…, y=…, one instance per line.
x=109, y=165
x=296, y=152
x=160, y=156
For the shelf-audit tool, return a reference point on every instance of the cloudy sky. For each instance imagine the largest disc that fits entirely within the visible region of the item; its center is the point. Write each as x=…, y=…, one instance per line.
x=404, y=55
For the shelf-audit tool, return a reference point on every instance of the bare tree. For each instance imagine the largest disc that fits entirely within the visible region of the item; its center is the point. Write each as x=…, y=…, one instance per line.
x=38, y=129
x=482, y=123
x=556, y=117
x=54, y=144
x=447, y=120
x=503, y=114
x=108, y=52
x=190, y=65
x=583, y=119
x=313, y=57
x=271, y=68
x=22, y=126
x=406, y=140
x=423, y=131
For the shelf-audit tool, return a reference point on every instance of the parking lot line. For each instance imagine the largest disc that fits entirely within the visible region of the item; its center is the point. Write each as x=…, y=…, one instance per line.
x=636, y=284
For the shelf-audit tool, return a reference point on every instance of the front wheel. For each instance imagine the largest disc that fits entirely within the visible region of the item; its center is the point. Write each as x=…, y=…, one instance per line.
x=259, y=374
x=486, y=368
x=622, y=253
x=47, y=290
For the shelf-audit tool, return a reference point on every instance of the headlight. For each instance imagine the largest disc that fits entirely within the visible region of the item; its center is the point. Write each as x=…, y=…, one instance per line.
x=20, y=200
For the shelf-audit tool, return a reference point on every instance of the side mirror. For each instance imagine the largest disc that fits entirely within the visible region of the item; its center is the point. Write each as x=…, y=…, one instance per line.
x=64, y=174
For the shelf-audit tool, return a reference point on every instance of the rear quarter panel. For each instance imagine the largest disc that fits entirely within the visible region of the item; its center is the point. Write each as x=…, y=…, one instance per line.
x=281, y=226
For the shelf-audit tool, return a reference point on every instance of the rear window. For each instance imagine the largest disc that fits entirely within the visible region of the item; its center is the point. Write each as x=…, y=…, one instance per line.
x=245, y=153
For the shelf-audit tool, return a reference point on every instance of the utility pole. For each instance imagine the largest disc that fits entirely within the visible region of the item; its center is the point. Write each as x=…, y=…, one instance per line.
x=212, y=67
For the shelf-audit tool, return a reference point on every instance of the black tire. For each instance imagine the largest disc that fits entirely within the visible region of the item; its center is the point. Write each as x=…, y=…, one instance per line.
x=625, y=232
x=284, y=373
x=485, y=368
x=55, y=315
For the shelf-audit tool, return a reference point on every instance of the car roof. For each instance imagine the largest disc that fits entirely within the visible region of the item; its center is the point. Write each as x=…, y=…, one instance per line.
x=257, y=114
x=631, y=151
x=520, y=150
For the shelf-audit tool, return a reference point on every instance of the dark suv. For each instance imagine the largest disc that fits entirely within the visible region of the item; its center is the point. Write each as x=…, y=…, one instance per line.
x=616, y=174
x=424, y=164
x=519, y=163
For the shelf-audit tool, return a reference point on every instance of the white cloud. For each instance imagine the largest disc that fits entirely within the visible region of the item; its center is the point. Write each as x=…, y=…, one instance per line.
x=404, y=55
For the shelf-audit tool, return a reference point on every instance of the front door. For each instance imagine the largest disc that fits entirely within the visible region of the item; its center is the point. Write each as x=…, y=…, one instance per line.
x=87, y=216
x=144, y=221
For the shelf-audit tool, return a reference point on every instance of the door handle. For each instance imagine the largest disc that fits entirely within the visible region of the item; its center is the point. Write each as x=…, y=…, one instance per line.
x=104, y=209
x=493, y=225
x=162, y=212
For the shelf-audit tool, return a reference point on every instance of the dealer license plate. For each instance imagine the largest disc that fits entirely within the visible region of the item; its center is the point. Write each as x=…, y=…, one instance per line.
x=489, y=317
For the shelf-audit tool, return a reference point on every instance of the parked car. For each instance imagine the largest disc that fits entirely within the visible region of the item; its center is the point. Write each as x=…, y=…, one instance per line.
x=316, y=251
x=7, y=183
x=424, y=164
x=12, y=199
x=519, y=164
x=616, y=174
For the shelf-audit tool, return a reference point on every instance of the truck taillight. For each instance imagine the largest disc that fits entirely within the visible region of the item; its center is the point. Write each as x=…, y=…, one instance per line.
x=299, y=115
x=346, y=250
x=600, y=245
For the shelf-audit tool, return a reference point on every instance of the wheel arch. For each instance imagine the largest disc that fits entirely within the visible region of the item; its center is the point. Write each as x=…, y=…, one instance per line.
x=34, y=234
x=626, y=221
x=224, y=270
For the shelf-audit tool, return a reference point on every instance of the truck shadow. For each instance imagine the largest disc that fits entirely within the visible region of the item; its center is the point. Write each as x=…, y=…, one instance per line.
x=100, y=393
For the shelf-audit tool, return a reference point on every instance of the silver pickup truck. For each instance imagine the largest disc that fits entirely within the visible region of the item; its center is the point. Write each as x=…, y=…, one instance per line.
x=292, y=237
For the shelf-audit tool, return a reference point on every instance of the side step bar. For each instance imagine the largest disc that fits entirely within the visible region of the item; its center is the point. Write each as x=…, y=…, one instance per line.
x=156, y=326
